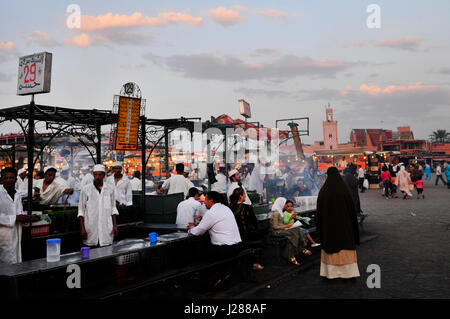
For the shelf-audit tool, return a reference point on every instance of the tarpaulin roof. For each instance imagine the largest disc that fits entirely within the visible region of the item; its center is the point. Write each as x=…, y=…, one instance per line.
x=238, y=123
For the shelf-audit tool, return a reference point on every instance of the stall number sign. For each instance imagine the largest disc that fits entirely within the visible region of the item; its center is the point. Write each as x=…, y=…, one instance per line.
x=128, y=124
x=34, y=74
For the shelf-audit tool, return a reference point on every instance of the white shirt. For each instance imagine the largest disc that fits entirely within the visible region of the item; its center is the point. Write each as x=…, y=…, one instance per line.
x=21, y=183
x=187, y=210
x=10, y=231
x=360, y=173
x=221, y=184
x=177, y=184
x=52, y=194
x=438, y=170
x=256, y=181
x=97, y=209
x=122, y=190
x=86, y=179
x=232, y=187
x=136, y=184
x=219, y=221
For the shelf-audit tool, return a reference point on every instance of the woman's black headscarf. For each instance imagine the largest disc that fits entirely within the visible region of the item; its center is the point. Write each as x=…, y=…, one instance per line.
x=336, y=215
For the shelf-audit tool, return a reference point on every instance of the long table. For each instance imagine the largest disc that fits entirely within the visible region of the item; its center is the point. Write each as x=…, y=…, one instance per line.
x=108, y=266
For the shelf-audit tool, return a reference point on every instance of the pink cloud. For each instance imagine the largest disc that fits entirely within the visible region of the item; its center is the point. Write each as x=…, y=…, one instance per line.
x=375, y=90
x=407, y=43
x=109, y=20
x=225, y=16
x=274, y=14
x=81, y=40
x=7, y=46
x=42, y=39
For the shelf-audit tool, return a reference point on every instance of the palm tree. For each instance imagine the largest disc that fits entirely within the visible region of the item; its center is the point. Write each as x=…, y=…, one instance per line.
x=440, y=136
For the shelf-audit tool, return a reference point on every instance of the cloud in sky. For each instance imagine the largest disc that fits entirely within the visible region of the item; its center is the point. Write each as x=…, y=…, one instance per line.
x=265, y=52
x=137, y=19
x=273, y=14
x=231, y=68
x=225, y=17
x=81, y=41
x=42, y=39
x=408, y=43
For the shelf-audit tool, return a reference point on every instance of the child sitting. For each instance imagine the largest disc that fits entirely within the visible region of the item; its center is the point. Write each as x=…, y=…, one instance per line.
x=289, y=217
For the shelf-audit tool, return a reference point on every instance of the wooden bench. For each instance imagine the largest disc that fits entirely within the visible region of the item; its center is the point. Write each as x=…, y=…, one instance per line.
x=170, y=275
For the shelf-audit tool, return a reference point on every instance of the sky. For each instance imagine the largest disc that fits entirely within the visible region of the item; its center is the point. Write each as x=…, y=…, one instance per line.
x=287, y=59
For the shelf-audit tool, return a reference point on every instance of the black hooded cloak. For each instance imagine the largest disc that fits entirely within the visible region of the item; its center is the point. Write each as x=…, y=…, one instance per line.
x=336, y=215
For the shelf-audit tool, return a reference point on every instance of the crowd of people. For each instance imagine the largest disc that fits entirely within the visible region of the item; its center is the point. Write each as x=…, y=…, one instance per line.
x=225, y=212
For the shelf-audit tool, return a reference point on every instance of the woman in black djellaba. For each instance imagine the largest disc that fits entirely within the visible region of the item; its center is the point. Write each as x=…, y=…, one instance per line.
x=338, y=228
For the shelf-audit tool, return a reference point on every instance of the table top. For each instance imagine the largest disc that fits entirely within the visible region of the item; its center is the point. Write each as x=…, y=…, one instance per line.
x=95, y=254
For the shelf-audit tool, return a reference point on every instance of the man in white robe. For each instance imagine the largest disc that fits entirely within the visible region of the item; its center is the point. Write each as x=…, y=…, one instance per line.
x=22, y=179
x=48, y=190
x=136, y=182
x=11, y=218
x=97, y=211
x=235, y=178
x=221, y=185
x=122, y=186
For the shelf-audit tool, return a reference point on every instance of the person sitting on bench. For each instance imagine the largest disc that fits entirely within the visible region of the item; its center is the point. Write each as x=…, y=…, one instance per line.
x=296, y=242
x=223, y=230
x=289, y=218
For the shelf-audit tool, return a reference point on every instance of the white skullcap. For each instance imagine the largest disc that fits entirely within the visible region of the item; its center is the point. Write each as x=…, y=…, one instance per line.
x=232, y=172
x=117, y=164
x=49, y=167
x=99, y=168
x=22, y=170
x=85, y=168
x=65, y=168
x=187, y=169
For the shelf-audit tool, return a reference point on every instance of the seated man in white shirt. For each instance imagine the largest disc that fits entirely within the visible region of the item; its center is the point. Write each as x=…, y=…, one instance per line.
x=220, y=223
x=190, y=210
x=178, y=183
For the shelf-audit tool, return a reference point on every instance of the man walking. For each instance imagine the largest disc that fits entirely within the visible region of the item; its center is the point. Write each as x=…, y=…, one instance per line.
x=439, y=175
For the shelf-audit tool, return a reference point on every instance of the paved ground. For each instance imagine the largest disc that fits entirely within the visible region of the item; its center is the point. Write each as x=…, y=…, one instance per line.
x=411, y=247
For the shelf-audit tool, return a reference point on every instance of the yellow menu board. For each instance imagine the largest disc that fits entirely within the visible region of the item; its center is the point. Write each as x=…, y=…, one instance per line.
x=128, y=124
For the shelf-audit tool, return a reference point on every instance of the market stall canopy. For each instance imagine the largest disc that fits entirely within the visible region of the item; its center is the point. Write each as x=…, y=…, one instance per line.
x=60, y=115
x=238, y=123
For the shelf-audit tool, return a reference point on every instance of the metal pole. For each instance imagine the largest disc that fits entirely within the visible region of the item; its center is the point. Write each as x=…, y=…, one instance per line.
x=98, y=145
x=166, y=150
x=143, y=156
x=13, y=156
x=30, y=148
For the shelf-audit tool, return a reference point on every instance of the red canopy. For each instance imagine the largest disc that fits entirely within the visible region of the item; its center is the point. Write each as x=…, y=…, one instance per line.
x=238, y=123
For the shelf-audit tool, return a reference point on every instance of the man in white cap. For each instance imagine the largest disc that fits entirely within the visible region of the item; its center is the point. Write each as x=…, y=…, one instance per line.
x=97, y=211
x=22, y=180
x=221, y=185
x=47, y=190
x=235, y=179
x=122, y=187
